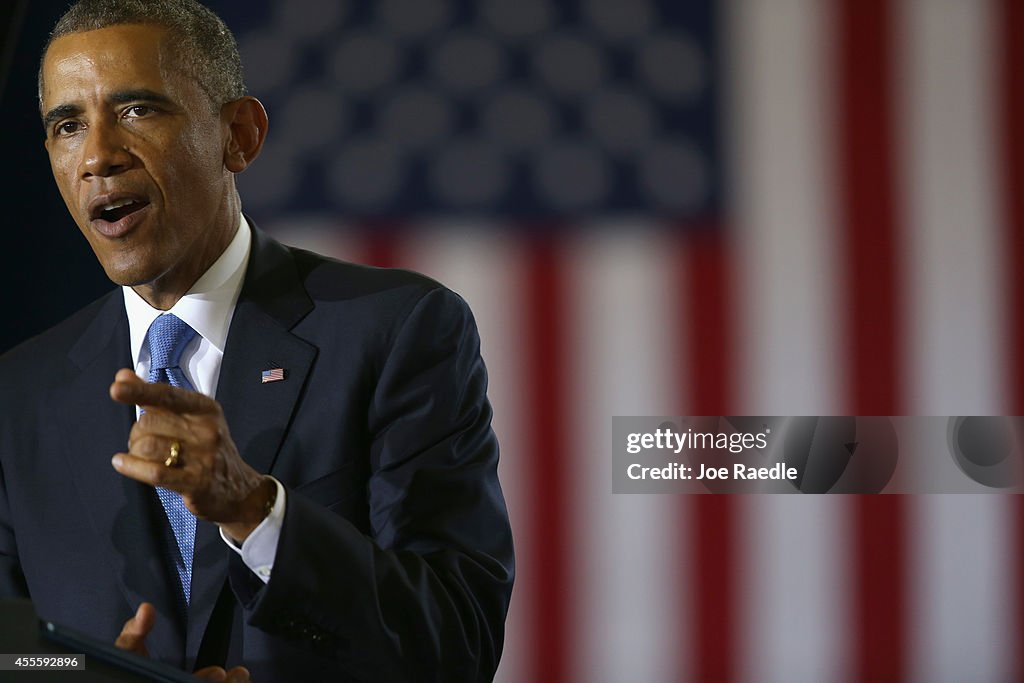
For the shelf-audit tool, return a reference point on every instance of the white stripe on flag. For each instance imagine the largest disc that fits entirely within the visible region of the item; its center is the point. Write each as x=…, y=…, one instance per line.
x=793, y=623
x=962, y=613
x=782, y=182
x=946, y=95
x=623, y=297
x=798, y=581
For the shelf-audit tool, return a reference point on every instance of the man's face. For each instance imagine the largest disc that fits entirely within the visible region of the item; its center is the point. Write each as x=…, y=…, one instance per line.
x=137, y=150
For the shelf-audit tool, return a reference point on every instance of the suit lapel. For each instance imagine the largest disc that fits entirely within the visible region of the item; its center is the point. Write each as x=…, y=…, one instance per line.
x=258, y=414
x=94, y=427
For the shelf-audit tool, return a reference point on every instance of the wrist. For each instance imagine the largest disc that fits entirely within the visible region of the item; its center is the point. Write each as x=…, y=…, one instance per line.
x=256, y=507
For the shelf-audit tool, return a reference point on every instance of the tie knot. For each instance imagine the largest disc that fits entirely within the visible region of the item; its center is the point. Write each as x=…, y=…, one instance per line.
x=168, y=337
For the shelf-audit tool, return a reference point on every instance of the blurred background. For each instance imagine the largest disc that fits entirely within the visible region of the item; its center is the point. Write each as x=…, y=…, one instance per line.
x=655, y=207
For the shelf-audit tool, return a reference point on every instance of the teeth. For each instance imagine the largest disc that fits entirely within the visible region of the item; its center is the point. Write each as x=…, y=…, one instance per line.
x=118, y=204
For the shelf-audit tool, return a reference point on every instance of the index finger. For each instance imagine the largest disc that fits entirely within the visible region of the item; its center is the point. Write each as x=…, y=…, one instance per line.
x=130, y=388
x=133, y=633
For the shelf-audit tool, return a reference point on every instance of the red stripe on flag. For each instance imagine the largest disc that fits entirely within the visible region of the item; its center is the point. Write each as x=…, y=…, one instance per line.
x=548, y=452
x=708, y=287
x=870, y=243
x=716, y=651
x=879, y=559
x=381, y=245
x=869, y=235
x=1010, y=142
x=711, y=363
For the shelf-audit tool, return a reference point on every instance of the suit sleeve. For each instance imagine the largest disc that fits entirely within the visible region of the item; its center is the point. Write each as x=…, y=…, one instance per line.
x=425, y=596
x=12, y=579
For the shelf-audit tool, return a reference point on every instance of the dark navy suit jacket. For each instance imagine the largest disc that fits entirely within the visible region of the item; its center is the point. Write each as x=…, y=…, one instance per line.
x=395, y=558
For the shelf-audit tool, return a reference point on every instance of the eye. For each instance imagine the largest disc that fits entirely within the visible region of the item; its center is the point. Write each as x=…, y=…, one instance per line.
x=67, y=128
x=137, y=111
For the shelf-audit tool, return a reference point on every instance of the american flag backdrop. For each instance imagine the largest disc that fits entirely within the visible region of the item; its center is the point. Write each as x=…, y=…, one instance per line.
x=667, y=207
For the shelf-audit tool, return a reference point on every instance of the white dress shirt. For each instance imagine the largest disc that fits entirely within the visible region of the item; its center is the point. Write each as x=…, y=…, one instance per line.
x=207, y=308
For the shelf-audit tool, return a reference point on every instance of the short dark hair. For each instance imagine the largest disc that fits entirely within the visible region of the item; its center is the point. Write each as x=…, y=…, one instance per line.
x=208, y=49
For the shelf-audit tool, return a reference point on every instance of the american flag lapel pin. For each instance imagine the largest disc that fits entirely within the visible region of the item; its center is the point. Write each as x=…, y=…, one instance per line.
x=272, y=375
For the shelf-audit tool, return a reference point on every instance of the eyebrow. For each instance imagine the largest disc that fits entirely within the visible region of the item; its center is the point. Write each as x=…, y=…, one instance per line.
x=59, y=112
x=119, y=97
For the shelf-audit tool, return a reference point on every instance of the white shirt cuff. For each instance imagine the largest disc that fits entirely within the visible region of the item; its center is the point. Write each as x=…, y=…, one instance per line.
x=260, y=546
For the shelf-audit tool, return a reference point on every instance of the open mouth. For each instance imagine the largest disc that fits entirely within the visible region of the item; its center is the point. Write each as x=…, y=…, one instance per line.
x=116, y=210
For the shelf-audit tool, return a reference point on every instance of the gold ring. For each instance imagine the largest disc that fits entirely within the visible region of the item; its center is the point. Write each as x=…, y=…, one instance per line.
x=172, y=458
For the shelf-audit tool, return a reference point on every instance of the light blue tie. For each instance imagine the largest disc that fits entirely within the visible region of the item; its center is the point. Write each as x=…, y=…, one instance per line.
x=168, y=336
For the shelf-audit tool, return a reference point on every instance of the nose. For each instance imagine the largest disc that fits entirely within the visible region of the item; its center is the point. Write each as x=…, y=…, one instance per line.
x=104, y=152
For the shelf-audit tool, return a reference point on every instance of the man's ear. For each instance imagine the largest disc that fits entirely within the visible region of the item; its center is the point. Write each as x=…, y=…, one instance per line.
x=246, y=123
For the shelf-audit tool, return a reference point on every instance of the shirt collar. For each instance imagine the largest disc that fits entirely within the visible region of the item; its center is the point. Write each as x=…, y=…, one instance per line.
x=208, y=306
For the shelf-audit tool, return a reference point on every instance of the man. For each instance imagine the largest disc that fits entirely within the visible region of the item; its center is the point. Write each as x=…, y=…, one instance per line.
x=378, y=547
